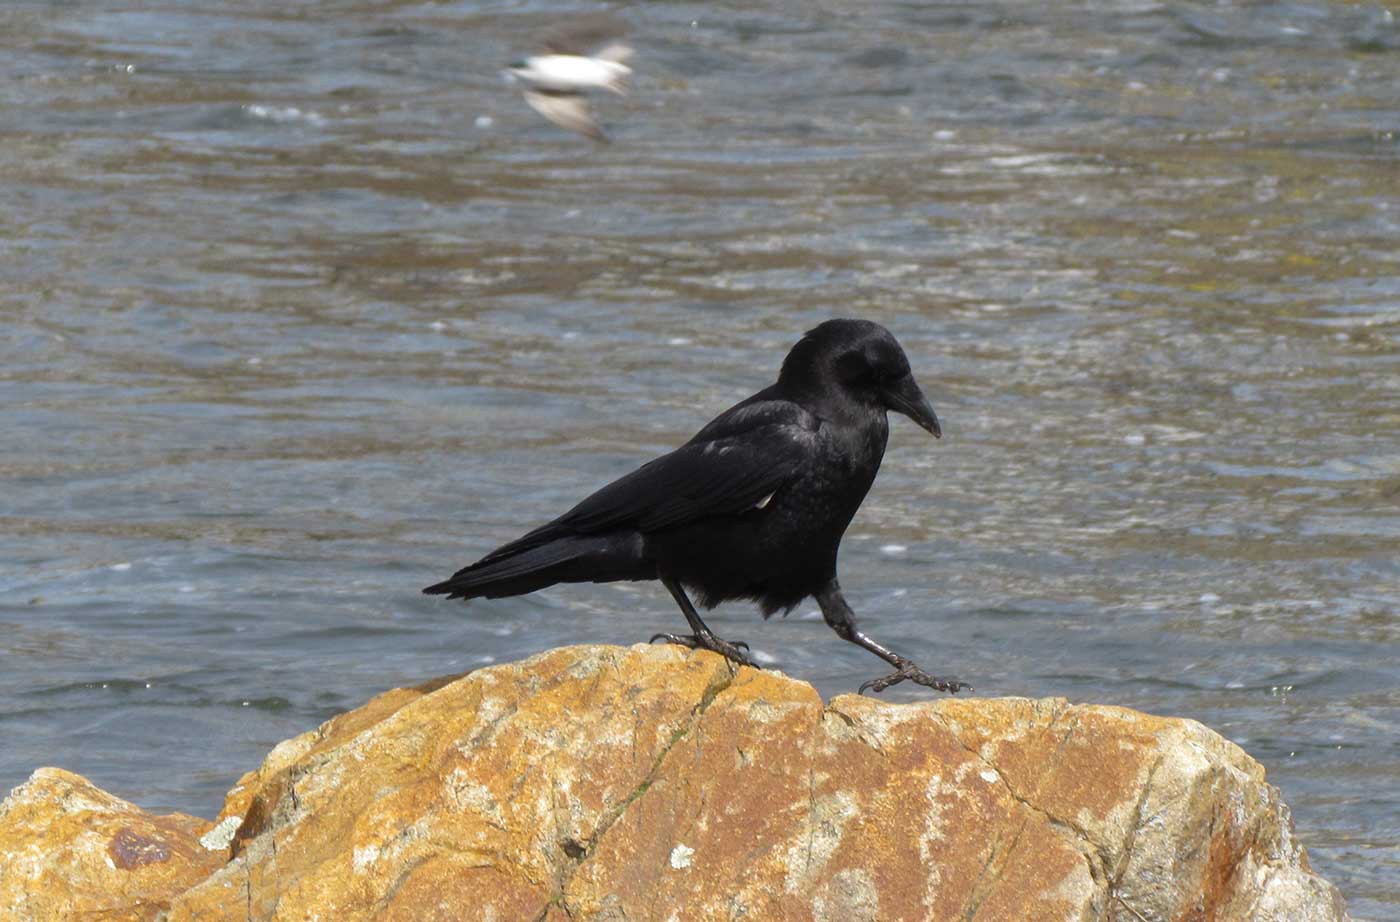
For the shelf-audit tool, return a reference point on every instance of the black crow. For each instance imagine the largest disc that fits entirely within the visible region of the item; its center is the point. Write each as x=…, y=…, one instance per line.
x=753, y=507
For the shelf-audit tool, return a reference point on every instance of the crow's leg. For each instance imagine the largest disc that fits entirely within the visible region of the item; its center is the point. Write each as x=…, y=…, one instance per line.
x=838, y=614
x=703, y=638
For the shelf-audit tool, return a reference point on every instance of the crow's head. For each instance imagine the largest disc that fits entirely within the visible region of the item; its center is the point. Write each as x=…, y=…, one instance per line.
x=862, y=361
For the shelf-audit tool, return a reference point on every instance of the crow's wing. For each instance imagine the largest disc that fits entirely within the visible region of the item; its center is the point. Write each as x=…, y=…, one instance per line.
x=733, y=465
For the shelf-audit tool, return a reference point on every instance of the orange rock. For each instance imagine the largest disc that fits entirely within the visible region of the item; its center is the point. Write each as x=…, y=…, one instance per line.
x=69, y=851
x=655, y=783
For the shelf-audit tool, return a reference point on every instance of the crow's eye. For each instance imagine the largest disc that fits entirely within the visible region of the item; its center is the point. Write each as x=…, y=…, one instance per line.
x=892, y=375
x=854, y=368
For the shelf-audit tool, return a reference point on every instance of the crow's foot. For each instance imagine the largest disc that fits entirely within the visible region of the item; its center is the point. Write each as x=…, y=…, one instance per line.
x=907, y=670
x=729, y=650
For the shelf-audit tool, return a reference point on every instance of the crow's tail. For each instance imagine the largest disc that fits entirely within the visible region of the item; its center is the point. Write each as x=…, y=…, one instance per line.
x=531, y=563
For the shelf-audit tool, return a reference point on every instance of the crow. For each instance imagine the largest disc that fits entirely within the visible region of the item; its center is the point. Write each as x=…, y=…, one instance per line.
x=753, y=507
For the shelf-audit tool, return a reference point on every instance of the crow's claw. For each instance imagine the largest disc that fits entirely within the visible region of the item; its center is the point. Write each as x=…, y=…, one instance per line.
x=725, y=648
x=916, y=675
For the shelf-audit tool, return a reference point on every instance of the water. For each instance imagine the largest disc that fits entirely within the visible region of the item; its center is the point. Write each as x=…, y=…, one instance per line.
x=303, y=308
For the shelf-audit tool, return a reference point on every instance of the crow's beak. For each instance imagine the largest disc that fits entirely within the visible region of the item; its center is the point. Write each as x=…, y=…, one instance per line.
x=905, y=397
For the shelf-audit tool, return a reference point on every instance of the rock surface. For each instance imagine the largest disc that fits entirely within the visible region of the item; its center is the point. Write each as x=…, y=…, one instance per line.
x=71, y=851
x=654, y=783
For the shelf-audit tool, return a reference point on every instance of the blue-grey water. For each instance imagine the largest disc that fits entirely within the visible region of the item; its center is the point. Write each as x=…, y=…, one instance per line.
x=303, y=308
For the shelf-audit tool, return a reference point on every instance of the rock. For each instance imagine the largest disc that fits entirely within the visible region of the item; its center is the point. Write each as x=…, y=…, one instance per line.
x=70, y=851
x=655, y=783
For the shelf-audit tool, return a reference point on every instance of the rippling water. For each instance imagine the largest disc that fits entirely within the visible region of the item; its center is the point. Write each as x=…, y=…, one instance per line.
x=303, y=308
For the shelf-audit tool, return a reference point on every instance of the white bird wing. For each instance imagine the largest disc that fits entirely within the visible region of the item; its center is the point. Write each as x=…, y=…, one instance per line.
x=567, y=110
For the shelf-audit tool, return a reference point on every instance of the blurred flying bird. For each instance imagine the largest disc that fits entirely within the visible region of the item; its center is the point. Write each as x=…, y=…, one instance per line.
x=586, y=56
x=753, y=507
